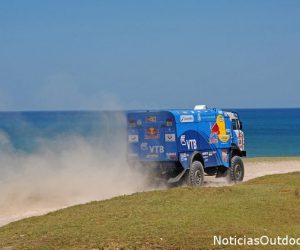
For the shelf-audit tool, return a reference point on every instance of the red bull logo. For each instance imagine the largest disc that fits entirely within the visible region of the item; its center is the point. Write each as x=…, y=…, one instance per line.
x=152, y=133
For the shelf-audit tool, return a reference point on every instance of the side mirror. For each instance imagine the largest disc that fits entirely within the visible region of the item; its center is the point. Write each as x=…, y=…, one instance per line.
x=241, y=125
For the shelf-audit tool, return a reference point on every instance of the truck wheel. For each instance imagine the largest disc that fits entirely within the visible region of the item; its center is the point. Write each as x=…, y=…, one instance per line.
x=236, y=170
x=196, y=174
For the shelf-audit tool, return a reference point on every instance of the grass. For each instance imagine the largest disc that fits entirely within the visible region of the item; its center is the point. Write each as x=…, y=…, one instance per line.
x=178, y=218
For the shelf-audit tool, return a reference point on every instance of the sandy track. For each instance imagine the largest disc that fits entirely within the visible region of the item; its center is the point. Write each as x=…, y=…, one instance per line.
x=257, y=169
x=253, y=169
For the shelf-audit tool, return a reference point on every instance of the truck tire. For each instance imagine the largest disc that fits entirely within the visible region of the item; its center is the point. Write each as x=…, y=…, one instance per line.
x=195, y=175
x=236, y=169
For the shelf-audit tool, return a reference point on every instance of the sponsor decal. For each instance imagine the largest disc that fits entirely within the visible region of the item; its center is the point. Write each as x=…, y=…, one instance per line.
x=224, y=138
x=231, y=115
x=215, y=130
x=171, y=156
x=151, y=118
x=157, y=149
x=205, y=155
x=153, y=149
x=139, y=123
x=213, y=140
x=132, y=124
x=208, y=117
x=240, y=137
x=170, y=137
x=152, y=156
x=169, y=122
x=218, y=131
x=182, y=140
x=152, y=133
x=183, y=156
x=186, y=118
x=224, y=155
x=209, y=153
x=133, y=138
x=144, y=146
x=191, y=144
x=199, y=116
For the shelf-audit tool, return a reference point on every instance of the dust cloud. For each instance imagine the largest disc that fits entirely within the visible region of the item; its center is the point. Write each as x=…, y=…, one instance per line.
x=68, y=170
x=64, y=171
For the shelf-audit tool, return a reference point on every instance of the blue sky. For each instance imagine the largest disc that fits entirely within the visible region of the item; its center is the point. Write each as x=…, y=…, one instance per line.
x=90, y=55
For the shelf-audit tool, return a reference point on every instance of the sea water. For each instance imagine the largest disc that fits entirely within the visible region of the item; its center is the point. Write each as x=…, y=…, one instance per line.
x=271, y=132
x=268, y=132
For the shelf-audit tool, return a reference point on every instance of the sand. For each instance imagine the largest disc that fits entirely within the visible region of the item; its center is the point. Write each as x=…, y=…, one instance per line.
x=257, y=167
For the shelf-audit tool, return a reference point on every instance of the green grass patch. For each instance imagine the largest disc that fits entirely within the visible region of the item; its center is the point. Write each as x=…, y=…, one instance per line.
x=178, y=218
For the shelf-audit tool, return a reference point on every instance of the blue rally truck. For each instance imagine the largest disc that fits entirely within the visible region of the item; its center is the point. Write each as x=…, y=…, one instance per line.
x=185, y=145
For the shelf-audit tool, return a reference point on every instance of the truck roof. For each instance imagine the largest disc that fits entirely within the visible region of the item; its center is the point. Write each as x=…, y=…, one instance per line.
x=186, y=115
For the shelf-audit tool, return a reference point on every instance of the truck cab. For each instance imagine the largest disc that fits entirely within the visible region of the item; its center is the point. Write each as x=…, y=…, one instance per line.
x=187, y=144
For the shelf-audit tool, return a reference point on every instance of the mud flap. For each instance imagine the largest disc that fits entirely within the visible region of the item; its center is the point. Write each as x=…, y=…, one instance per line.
x=177, y=178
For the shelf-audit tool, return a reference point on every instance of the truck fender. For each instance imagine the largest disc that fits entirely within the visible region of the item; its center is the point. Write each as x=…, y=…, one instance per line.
x=196, y=156
x=235, y=151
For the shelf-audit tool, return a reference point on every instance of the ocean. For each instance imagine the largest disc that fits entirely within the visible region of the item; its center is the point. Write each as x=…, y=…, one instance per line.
x=269, y=132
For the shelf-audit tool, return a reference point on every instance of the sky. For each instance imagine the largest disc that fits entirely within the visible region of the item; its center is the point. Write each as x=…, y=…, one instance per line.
x=99, y=55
